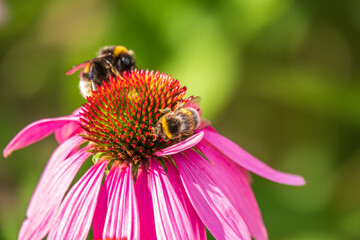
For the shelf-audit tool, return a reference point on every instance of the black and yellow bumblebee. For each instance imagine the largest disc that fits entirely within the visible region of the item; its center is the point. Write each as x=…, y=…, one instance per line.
x=182, y=122
x=111, y=61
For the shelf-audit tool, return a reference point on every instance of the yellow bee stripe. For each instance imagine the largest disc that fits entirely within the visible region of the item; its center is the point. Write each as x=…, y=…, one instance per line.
x=119, y=50
x=165, y=128
x=186, y=112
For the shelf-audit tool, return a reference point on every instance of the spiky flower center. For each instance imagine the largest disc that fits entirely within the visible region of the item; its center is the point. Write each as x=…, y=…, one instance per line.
x=120, y=116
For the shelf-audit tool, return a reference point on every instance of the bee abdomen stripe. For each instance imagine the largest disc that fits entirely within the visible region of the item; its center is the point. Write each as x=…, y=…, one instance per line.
x=165, y=128
x=186, y=112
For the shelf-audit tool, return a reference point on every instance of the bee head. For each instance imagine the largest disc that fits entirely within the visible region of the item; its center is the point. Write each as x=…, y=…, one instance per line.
x=125, y=62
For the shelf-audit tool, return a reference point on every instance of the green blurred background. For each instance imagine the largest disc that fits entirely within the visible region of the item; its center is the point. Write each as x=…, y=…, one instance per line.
x=279, y=77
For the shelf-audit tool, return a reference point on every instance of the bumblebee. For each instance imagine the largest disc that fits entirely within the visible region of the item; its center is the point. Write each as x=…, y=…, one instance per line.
x=182, y=122
x=111, y=61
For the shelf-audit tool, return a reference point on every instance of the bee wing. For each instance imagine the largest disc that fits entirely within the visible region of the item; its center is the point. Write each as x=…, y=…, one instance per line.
x=194, y=102
x=82, y=65
x=204, y=123
x=77, y=67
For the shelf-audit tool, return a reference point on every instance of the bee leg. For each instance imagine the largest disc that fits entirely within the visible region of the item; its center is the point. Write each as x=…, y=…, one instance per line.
x=91, y=78
x=113, y=69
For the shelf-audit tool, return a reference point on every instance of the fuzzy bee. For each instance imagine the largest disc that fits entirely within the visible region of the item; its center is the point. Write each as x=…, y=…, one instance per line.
x=182, y=122
x=111, y=61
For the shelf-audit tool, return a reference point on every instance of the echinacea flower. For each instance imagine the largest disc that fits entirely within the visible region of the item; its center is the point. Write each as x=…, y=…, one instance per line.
x=154, y=188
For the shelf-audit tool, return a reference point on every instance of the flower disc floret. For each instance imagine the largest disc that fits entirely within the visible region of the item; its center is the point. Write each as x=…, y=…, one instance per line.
x=120, y=116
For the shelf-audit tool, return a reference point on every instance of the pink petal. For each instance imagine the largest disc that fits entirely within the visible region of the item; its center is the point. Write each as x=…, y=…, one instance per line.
x=236, y=188
x=174, y=217
x=121, y=220
x=245, y=173
x=102, y=206
x=145, y=206
x=35, y=132
x=100, y=210
x=48, y=195
x=52, y=167
x=244, y=159
x=77, y=112
x=210, y=201
x=197, y=225
x=181, y=146
x=76, y=211
x=68, y=130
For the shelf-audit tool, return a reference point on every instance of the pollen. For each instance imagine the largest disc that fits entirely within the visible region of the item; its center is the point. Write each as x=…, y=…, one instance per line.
x=120, y=117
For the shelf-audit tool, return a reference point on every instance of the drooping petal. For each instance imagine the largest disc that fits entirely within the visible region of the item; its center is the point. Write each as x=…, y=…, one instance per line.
x=145, y=206
x=100, y=210
x=245, y=173
x=52, y=167
x=229, y=177
x=198, y=226
x=121, y=219
x=244, y=159
x=48, y=195
x=174, y=219
x=77, y=209
x=181, y=146
x=77, y=112
x=69, y=129
x=36, y=131
x=213, y=206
